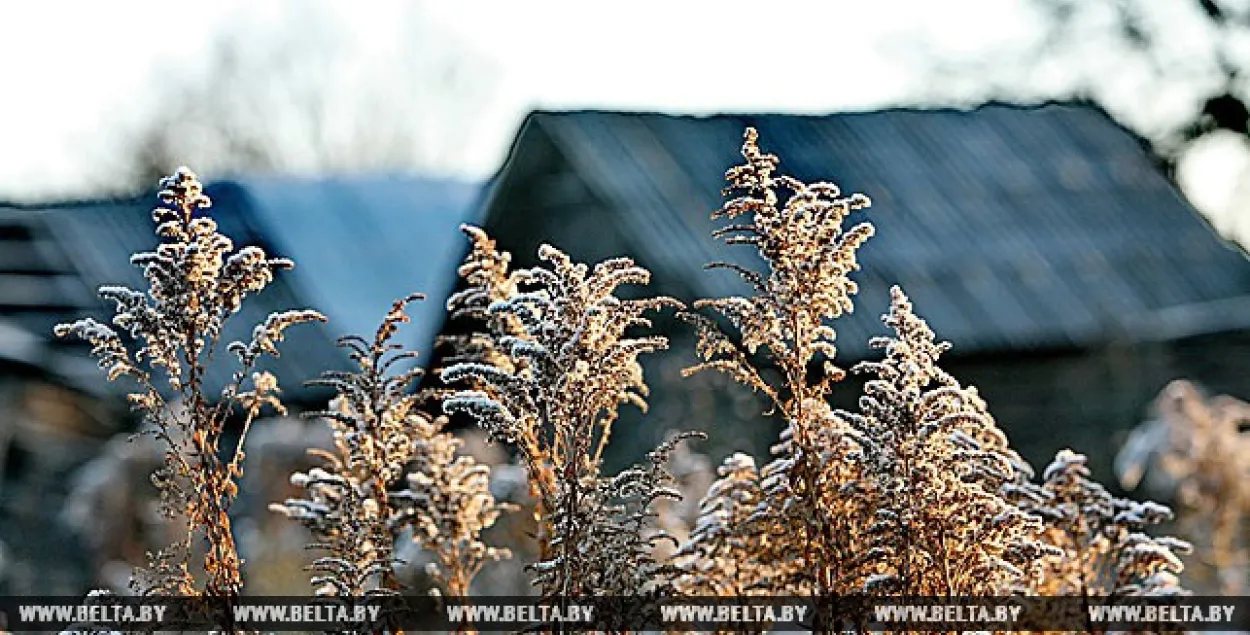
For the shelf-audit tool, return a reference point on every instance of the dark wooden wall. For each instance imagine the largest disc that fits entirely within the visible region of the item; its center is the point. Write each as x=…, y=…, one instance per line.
x=1086, y=400
x=1090, y=400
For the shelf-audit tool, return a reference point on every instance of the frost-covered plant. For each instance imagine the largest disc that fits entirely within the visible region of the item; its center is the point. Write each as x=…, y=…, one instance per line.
x=693, y=474
x=1102, y=547
x=936, y=466
x=561, y=362
x=382, y=441
x=616, y=550
x=719, y=558
x=488, y=279
x=196, y=282
x=448, y=505
x=917, y=492
x=1196, y=450
x=808, y=521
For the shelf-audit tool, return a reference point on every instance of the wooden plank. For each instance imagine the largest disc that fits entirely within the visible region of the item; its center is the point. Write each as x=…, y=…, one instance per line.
x=29, y=291
x=31, y=256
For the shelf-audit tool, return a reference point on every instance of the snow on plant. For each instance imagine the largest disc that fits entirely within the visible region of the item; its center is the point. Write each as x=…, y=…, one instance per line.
x=810, y=516
x=383, y=441
x=196, y=282
x=561, y=364
x=936, y=466
x=448, y=504
x=1197, y=448
x=719, y=558
x=917, y=492
x=1100, y=539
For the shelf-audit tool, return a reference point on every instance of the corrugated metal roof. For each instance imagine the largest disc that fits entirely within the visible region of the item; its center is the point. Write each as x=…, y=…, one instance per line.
x=358, y=244
x=1010, y=227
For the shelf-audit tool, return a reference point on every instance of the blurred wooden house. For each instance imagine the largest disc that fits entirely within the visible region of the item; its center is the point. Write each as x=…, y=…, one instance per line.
x=1071, y=276
x=359, y=243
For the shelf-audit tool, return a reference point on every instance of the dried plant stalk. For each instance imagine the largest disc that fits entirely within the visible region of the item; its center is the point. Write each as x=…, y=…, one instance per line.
x=548, y=377
x=383, y=441
x=448, y=505
x=807, y=520
x=1102, y=549
x=719, y=558
x=917, y=492
x=936, y=466
x=1196, y=452
x=196, y=282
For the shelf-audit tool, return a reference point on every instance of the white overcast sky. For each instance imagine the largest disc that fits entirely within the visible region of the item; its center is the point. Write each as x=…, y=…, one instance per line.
x=76, y=76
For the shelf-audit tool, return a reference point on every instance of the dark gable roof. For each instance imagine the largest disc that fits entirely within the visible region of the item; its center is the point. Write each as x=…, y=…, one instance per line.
x=1010, y=227
x=358, y=243
x=361, y=243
